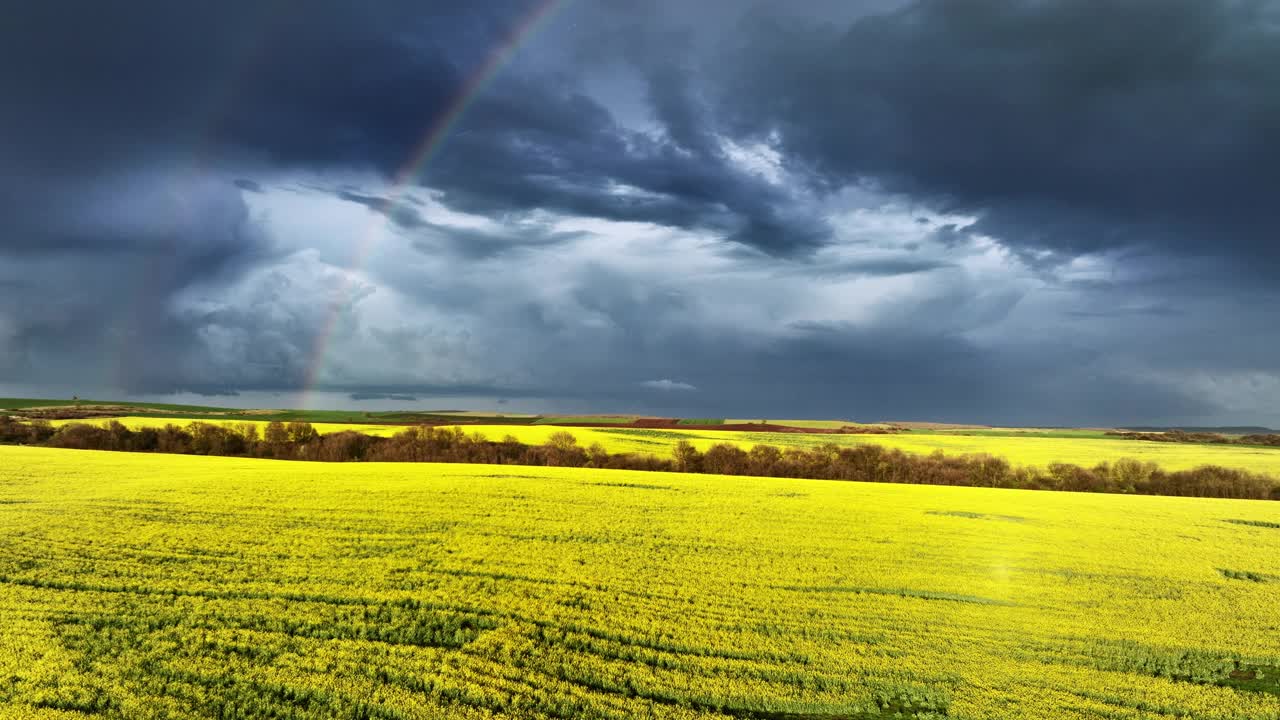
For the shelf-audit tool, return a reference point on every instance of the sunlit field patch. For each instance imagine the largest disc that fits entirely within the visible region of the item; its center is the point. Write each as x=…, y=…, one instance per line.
x=149, y=586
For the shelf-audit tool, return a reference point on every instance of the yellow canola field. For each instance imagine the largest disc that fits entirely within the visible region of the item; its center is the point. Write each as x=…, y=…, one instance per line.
x=150, y=586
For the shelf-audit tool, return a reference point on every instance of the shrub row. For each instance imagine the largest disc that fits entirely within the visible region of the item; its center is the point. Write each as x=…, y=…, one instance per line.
x=1182, y=436
x=872, y=463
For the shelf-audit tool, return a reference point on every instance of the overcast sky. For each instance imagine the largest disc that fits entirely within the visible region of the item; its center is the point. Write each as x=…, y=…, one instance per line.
x=1050, y=212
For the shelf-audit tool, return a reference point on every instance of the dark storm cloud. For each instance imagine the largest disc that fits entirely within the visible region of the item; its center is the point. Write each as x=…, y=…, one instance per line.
x=1072, y=125
x=396, y=211
x=94, y=287
x=1151, y=310
x=119, y=120
x=473, y=244
x=842, y=371
x=334, y=82
x=361, y=396
x=464, y=242
x=400, y=392
x=145, y=146
x=347, y=85
x=879, y=267
x=117, y=124
x=563, y=152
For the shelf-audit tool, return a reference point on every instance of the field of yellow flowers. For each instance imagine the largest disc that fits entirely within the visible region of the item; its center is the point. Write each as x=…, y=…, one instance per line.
x=161, y=586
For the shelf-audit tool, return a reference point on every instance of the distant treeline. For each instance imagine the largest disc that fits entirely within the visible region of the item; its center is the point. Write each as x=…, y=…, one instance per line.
x=1182, y=436
x=870, y=463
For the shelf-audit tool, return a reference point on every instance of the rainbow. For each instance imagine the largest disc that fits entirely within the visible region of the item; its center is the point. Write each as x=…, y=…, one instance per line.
x=412, y=169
